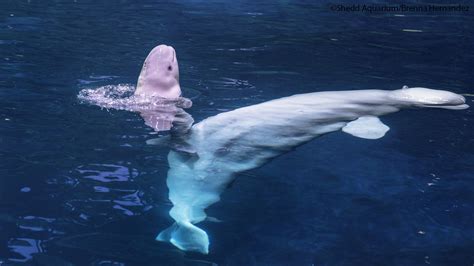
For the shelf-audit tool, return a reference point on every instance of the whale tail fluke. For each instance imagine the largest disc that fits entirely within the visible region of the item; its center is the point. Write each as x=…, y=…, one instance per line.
x=186, y=236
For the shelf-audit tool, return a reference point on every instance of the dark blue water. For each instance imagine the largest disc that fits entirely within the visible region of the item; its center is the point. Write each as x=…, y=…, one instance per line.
x=78, y=185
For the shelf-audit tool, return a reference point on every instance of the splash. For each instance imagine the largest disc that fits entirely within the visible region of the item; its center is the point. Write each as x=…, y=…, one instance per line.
x=122, y=97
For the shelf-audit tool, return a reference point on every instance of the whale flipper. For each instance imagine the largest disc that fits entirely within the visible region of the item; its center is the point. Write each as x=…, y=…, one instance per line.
x=366, y=127
x=186, y=236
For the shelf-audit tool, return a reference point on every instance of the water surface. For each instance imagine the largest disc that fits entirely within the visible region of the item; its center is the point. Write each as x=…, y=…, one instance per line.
x=79, y=185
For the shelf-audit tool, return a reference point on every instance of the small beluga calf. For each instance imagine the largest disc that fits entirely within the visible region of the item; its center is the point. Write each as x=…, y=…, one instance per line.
x=157, y=95
x=228, y=143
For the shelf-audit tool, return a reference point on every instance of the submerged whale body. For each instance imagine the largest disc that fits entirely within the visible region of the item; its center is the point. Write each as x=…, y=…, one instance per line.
x=213, y=151
x=248, y=137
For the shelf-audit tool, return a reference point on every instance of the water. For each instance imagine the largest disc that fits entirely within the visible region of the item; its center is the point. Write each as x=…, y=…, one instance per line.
x=80, y=186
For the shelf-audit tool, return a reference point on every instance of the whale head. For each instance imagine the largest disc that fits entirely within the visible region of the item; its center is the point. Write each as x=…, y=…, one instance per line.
x=160, y=74
x=423, y=97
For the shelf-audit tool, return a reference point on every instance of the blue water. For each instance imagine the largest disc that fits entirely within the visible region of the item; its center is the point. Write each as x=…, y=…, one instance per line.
x=78, y=185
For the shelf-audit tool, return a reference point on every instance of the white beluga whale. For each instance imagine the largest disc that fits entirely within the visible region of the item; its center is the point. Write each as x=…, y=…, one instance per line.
x=248, y=137
x=219, y=147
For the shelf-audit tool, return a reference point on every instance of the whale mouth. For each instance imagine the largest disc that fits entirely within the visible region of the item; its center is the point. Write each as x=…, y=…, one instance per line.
x=446, y=106
x=429, y=98
x=455, y=102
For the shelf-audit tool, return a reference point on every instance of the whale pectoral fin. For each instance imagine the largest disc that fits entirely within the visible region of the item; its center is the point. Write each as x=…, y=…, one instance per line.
x=366, y=127
x=186, y=236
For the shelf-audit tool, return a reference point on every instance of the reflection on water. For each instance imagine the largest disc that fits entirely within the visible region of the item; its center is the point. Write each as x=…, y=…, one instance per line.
x=36, y=224
x=93, y=196
x=103, y=188
x=107, y=173
x=24, y=248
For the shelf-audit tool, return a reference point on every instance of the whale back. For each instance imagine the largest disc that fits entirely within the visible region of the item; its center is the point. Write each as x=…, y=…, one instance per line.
x=248, y=137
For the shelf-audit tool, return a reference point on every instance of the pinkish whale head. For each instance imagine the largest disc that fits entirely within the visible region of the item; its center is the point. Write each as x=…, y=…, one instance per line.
x=160, y=74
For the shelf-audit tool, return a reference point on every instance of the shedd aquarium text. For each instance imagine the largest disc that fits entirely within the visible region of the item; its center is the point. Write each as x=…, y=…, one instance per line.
x=398, y=8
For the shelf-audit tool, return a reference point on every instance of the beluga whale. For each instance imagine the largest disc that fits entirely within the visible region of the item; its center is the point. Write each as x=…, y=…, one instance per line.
x=249, y=137
x=157, y=96
x=159, y=77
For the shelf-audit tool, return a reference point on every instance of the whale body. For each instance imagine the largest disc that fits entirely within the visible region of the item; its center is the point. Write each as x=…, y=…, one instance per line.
x=248, y=137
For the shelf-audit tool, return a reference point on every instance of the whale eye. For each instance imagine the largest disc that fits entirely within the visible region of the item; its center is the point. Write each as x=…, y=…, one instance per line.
x=170, y=68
